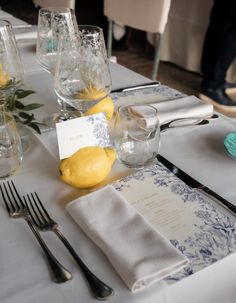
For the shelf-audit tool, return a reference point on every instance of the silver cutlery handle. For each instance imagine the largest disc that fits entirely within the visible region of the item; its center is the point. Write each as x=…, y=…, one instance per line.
x=188, y=121
x=59, y=273
x=168, y=125
x=136, y=87
x=100, y=290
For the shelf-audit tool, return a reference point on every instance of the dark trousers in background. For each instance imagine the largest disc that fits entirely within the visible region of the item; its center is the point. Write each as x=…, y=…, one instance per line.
x=220, y=44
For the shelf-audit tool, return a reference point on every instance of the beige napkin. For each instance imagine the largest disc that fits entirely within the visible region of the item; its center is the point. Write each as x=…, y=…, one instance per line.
x=186, y=107
x=138, y=252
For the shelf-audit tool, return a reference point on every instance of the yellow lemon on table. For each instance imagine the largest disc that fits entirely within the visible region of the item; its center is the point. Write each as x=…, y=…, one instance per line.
x=91, y=93
x=88, y=166
x=4, y=77
x=106, y=105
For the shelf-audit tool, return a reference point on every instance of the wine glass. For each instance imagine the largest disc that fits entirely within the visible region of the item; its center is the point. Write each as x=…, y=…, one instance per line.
x=11, y=78
x=11, y=153
x=53, y=22
x=82, y=76
x=11, y=68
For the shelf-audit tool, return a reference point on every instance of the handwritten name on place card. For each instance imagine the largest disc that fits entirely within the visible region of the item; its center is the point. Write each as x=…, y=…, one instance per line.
x=80, y=132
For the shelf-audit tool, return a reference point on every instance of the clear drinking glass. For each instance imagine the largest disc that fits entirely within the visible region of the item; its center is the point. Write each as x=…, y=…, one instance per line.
x=10, y=146
x=82, y=76
x=11, y=68
x=136, y=135
x=53, y=23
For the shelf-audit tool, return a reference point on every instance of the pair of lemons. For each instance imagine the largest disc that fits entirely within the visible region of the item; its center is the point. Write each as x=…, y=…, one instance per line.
x=90, y=165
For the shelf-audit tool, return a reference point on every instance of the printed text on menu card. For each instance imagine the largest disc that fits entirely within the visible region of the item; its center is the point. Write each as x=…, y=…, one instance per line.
x=164, y=209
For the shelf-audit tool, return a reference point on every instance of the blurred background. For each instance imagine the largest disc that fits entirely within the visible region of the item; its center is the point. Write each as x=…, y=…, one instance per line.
x=133, y=51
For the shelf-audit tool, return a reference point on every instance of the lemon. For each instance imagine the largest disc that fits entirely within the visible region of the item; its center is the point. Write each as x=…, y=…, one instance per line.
x=88, y=166
x=91, y=93
x=106, y=105
x=4, y=77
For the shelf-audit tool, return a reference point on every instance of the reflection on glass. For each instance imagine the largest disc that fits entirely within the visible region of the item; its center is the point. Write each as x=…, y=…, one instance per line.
x=137, y=135
x=11, y=69
x=53, y=23
x=82, y=76
x=10, y=146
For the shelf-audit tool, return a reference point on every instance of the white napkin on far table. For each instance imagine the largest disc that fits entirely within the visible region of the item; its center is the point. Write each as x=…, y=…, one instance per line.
x=185, y=107
x=138, y=252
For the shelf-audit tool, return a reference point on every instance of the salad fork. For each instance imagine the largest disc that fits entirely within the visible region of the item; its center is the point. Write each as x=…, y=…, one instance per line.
x=44, y=222
x=17, y=209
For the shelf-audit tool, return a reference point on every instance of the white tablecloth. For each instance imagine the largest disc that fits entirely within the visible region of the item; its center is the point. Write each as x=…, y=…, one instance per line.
x=24, y=275
x=14, y=21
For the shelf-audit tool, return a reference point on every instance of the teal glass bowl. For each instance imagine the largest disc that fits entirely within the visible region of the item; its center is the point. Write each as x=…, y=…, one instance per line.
x=230, y=144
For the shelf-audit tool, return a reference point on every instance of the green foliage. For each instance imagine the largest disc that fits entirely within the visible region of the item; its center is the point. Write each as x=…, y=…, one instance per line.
x=20, y=111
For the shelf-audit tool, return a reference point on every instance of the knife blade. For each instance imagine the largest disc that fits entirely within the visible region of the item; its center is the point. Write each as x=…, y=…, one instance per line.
x=183, y=122
x=193, y=183
x=136, y=87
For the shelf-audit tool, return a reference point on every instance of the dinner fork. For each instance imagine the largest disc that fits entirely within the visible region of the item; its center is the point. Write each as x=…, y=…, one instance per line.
x=17, y=209
x=44, y=222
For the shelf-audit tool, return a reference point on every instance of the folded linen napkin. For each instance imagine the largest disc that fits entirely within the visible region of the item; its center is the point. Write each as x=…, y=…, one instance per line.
x=138, y=252
x=186, y=107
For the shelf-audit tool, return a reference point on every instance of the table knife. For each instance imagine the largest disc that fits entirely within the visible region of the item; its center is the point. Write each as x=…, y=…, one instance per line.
x=136, y=87
x=193, y=183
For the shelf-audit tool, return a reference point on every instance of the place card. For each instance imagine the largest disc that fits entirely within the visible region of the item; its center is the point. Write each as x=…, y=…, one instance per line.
x=80, y=132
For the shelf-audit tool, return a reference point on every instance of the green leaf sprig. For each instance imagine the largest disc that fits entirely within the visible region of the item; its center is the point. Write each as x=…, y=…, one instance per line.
x=21, y=111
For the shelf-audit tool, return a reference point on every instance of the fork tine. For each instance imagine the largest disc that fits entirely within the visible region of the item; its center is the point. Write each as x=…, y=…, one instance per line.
x=19, y=202
x=4, y=198
x=11, y=197
x=15, y=206
x=29, y=210
x=33, y=213
x=42, y=206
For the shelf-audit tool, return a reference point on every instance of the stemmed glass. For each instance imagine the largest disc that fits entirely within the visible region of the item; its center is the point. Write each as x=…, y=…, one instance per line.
x=82, y=76
x=11, y=77
x=11, y=153
x=11, y=69
x=54, y=22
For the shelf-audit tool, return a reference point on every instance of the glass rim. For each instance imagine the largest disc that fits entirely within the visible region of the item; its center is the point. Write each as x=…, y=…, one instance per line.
x=6, y=23
x=56, y=9
x=90, y=25
x=131, y=114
